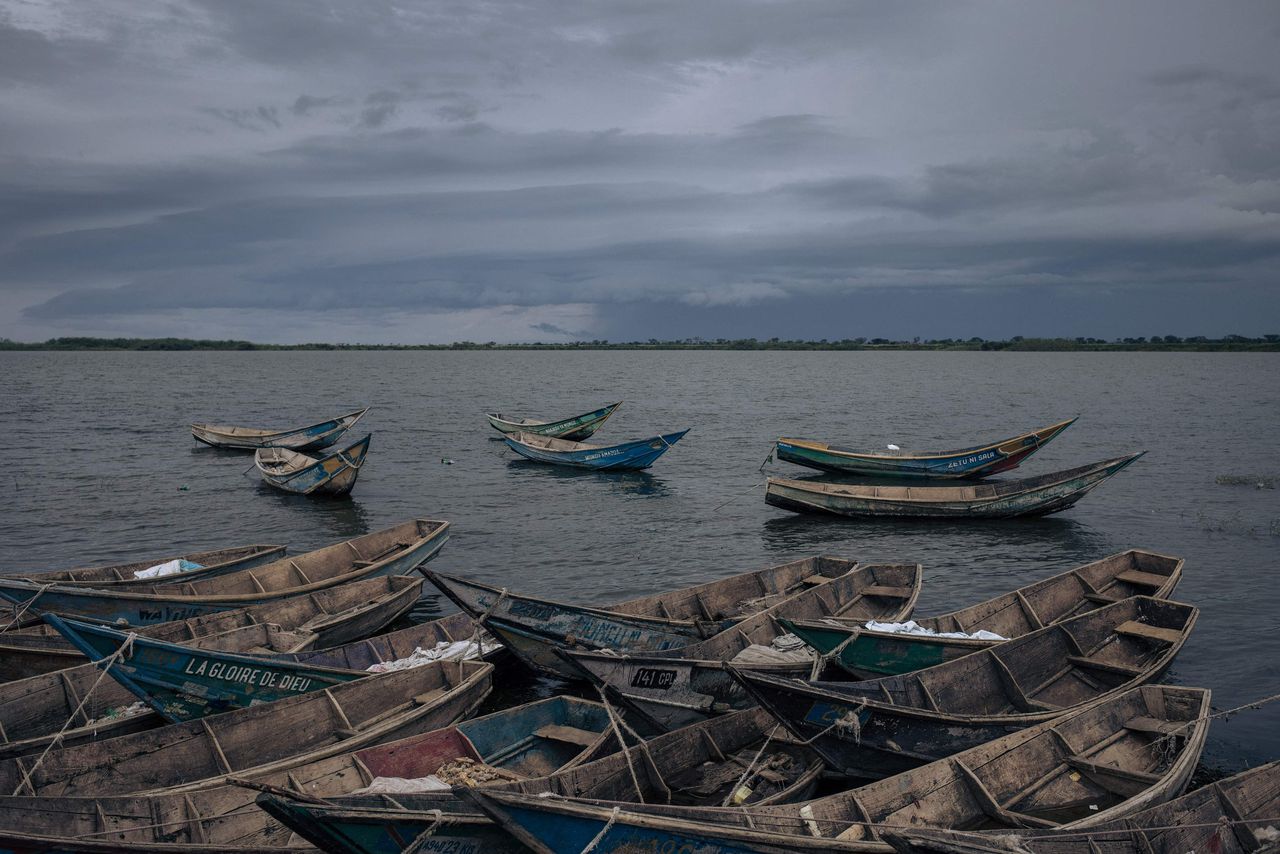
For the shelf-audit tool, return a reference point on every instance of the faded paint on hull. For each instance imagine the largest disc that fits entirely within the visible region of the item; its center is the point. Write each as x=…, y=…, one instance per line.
x=310, y=438
x=575, y=429
x=628, y=456
x=333, y=475
x=870, y=655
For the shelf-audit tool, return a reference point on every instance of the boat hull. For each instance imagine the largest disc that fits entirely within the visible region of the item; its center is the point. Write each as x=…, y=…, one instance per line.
x=628, y=456
x=120, y=576
x=310, y=438
x=575, y=428
x=332, y=475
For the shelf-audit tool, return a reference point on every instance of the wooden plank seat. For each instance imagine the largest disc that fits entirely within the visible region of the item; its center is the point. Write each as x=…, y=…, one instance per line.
x=567, y=735
x=1133, y=628
x=1104, y=666
x=887, y=592
x=1145, y=579
x=1154, y=725
x=1124, y=782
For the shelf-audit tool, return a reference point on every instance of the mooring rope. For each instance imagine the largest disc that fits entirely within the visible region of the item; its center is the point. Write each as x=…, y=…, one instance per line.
x=608, y=825
x=750, y=767
x=640, y=742
x=419, y=843
x=1225, y=713
x=19, y=611
x=106, y=665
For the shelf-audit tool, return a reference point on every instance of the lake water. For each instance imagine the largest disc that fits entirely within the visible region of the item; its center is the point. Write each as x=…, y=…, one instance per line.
x=102, y=468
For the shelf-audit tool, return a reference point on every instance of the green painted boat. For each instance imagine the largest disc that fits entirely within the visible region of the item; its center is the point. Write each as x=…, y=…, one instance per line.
x=573, y=428
x=868, y=654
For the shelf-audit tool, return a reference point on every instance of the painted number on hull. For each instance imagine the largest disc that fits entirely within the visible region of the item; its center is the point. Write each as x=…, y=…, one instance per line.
x=654, y=678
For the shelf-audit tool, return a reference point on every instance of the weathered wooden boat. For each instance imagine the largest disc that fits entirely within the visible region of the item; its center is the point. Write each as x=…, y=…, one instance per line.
x=974, y=462
x=888, y=725
x=190, y=567
x=309, y=438
x=868, y=653
x=260, y=739
x=671, y=689
x=318, y=620
x=1032, y=496
x=1106, y=761
x=392, y=551
x=625, y=456
x=1237, y=815
x=534, y=628
x=727, y=759
x=329, y=474
x=574, y=428
x=520, y=743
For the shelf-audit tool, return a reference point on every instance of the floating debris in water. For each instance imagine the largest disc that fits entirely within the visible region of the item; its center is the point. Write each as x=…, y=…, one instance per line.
x=182, y=488
x=445, y=461
x=1255, y=480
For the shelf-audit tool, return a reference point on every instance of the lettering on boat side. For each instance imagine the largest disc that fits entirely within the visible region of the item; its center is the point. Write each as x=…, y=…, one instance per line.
x=523, y=608
x=246, y=675
x=970, y=460
x=166, y=615
x=602, y=454
x=655, y=678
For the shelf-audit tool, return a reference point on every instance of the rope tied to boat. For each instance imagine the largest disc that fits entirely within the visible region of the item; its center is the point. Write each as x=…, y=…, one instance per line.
x=618, y=724
x=608, y=825
x=728, y=799
x=1225, y=714
x=420, y=842
x=478, y=628
x=19, y=611
x=106, y=664
x=822, y=659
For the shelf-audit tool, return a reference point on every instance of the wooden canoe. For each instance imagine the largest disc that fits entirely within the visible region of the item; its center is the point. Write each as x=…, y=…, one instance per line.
x=120, y=576
x=974, y=462
x=698, y=765
x=328, y=474
x=1238, y=815
x=625, y=456
x=392, y=551
x=1032, y=496
x=318, y=620
x=867, y=654
x=574, y=428
x=534, y=628
x=258, y=740
x=526, y=742
x=309, y=438
x=671, y=689
x=888, y=725
x=1105, y=761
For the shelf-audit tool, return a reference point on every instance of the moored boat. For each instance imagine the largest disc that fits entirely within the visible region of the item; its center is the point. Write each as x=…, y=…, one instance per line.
x=534, y=628
x=884, y=726
x=165, y=570
x=973, y=462
x=332, y=474
x=671, y=689
x=625, y=456
x=869, y=651
x=1032, y=496
x=575, y=427
x=1103, y=762
x=310, y=438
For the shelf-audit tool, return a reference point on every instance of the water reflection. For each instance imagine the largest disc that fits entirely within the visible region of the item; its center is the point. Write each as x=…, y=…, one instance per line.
x=344, y=516
x=637, y=483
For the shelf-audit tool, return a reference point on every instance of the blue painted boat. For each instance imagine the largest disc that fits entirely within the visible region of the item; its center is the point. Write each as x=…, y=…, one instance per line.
x=638, y=454
x=309, y=438
x=330, y=475
x=573, y=428
x=398, y=550
x=973, y=462
x=183, y=683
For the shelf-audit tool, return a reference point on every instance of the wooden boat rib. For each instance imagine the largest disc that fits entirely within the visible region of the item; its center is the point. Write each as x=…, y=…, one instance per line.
x=534, y=628
x=1033, y=496
x=974, y=462
x=695, y=765
x=1231, y=816
x=312, y=437
x=261, y=739
x=573, y=428
x=392, y=551
x=671, y=689
x=331, y=474
x=316, y=620
x=625, y=456
x=121, y=575
x=869, y=654
x=905, y=721
x=1105, y=761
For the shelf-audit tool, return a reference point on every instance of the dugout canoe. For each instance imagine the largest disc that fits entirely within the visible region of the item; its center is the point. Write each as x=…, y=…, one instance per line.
x=318, y=620
x=625, y=456
x=534, y=628
x=973, y=462
x=1108, y=760
x=1032, y=496
x=869, y=654
x=573, y=428
x=884, y=726
x=699, y=765
x=120, y=576
x=668, y=690
x=1237, y=815
x=392, y=551
x=525, y=742
x=310, y=438
x=258, y=740
x=329, y=475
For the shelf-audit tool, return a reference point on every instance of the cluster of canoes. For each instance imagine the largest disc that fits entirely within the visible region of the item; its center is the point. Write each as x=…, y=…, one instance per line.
x=246, y=701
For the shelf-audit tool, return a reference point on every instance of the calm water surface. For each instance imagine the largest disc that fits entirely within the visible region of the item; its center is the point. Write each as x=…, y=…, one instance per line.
x=102, y=468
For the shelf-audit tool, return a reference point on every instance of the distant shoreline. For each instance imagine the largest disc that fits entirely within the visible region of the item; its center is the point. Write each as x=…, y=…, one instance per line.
x=1194, y=344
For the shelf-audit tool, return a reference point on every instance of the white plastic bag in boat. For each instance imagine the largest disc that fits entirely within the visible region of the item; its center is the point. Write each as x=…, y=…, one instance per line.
x=403, y=785
x=911, y=627
x=464, y=650
x=172, y=567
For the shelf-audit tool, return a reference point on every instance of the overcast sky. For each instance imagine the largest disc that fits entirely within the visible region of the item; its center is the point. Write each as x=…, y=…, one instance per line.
x=551, y=170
